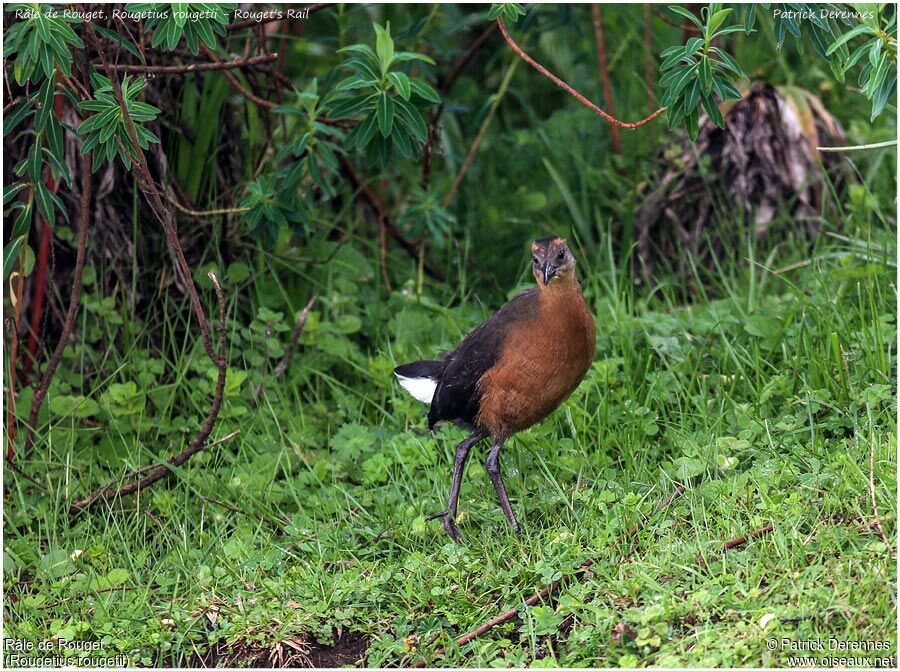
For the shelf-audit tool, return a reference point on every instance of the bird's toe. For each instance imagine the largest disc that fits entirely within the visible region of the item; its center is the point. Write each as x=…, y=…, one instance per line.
x=449, y=525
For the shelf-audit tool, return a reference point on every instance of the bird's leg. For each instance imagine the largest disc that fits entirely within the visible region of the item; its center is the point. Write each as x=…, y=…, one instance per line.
x=462, y=453
x=493, y=469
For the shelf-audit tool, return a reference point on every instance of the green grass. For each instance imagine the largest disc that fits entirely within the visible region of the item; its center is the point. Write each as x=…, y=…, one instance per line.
x=762, y=396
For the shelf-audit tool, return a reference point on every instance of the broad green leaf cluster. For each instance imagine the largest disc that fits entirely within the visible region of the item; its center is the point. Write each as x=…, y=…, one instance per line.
x=697, y=74
x=193, y=21
x=387, y=101
x=105, y=132
x=40, y=42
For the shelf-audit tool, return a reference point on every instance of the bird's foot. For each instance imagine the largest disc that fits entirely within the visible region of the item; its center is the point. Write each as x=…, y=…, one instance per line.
x=449, y=525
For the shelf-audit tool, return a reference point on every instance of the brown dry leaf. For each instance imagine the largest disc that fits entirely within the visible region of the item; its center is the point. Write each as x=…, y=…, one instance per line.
x=623, y=629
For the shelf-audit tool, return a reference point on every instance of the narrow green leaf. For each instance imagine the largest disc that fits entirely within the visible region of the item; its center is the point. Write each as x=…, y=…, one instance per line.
x=681, y=11
x=384, y=46
x=716, y=20
x=10, y=254
x=712, y=111
x=385, y=113
x=705, y=76
x=424, y=91
x=401, y=83
x=861, y=29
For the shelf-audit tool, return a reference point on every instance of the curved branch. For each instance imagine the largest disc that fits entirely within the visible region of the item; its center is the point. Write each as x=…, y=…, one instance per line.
x=41, y=392
x=197, y=443
x=565, y=87
x=236, y=85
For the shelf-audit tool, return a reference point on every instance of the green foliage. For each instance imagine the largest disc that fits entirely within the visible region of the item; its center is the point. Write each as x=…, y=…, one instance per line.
x=508, y=11
x=40, y=42
x=193, y=21
x=876, y=23
x=386, y=100
x=106, y=131
x=269, y=210
x=759, y=429
x=691, y=73
x=427, y=216
x=307, y=173
x=695, y=74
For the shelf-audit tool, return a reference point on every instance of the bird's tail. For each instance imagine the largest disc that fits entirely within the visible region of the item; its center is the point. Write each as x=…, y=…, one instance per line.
x=420, y=378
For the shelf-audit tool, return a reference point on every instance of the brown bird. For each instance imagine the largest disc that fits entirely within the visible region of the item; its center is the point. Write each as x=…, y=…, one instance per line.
x=513, y=370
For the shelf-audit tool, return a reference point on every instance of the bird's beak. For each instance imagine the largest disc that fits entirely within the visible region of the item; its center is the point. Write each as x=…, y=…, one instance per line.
x=548, y=272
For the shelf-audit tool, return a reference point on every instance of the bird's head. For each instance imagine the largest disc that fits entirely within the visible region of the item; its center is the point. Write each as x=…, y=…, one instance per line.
x=552, y=262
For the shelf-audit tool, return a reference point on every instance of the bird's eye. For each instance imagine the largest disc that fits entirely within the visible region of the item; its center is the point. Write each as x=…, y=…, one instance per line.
x=535, y=259
x=561, y=255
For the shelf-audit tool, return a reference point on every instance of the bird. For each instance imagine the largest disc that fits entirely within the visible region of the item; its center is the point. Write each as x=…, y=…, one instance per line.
x=511, y=371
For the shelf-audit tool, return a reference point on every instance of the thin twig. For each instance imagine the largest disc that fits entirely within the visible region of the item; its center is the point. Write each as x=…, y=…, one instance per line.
x=382, y=251
x=568, y=89
x=603, y=67
x=218, y=64
x=117, y=588
x=18, y=470
x=285, y=362
x=445, y=87
x=737, y=542
x=236, y=85
x=649, y=62
x=16, y=299
x=678, y=491
x=162, y=213
x=686, y=26
x=876, y=521
x=41, y=392
x=12, y=103
x=508, y=615
x=163, y=470
x=861, y=147
x=476, y=143
x=205, y=213
x=375, y=203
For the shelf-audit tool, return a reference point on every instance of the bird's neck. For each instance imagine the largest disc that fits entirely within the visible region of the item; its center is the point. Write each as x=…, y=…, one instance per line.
x=561, y=287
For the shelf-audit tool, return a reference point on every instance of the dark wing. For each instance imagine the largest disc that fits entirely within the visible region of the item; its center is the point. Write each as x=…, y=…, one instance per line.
x=457, y=397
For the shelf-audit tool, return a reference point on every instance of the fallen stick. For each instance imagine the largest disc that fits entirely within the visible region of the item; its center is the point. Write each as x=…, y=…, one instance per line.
x=162, y=470
x=737, y=542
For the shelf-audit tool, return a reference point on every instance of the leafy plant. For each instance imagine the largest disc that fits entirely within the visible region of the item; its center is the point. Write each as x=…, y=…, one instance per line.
x=308, y=168
x=268, y=209
x=387, y=100
x=695, y=71
x=427, y=216
x=508, y=11
x=695, y=74
x=878, y=75
x=106, y=132
x=194, y=21
x=40, y=41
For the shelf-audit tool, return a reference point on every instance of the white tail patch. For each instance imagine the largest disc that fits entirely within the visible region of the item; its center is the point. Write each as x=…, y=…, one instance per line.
x=421, y=388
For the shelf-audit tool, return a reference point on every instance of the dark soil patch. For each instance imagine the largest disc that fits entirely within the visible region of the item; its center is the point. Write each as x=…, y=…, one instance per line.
x=347, y=650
